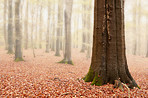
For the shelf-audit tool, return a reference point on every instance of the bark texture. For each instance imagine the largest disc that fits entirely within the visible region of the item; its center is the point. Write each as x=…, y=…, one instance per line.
x=108, y=58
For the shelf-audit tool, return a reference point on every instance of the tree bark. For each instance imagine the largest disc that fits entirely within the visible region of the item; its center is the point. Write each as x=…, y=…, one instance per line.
x=47, y=36
x=18, y=48
x=67, y=16
x=108, y=58
x=26, y=27
x=59, y=28
x=5, y=24
x=10, y=28
x=84, y=27
x=40, y=32
x=147, y=36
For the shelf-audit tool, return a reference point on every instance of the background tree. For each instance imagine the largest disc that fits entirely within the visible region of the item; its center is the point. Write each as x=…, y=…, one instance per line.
x=10, y=27
x=18, y=41
x=59, y=28
x=5, y=24
x=48, y=24
x=26, y=27
x=108, y=58
x=67, y=17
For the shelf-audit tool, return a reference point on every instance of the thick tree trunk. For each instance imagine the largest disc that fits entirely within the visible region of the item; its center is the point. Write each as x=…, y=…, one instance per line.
x=10, y=28
x=18, y=48
x=108, y=57
x=5, y=24
x=68, y=14
x=26, y=27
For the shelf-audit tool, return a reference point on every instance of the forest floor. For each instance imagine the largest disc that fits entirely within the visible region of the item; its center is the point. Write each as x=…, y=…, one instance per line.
x=43, y=76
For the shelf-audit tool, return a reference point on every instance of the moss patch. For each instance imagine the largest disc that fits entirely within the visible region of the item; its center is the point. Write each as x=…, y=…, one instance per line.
x=97, y=80
x=57, y=55
x=66, y=62
x=10, y=52
x=19, y=59
x=90, y=75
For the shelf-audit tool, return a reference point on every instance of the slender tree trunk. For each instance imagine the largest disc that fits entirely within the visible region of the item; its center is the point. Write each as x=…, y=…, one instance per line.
x=36, y=33
x=84, y=27
x=68, y=14
x=147, y=37
x=89, y=8
x=53, y=30
x=134, y=30
x=40, y=32
x=59, y=29
x=5, y=24
x=10, y=28
x=47, y=35
x=18, y=48
x=26, y=27
x=139, y=29
x=32, y=30
x=108, y=57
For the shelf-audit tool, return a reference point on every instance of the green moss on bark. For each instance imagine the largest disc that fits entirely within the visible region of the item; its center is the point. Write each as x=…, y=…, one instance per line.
x=19, y=59
x=57, y=55
x=66, y=62
x=90, y=75
x=97, y=80
x=10, y=52
x=93, y=77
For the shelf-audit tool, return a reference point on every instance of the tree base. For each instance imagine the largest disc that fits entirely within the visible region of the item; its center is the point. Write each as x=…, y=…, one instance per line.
x=19, y=59
x=97, y=80
x=94, y=78
x=10, y=52
x=66, y=62
x=82, y=51
x=57, y=55
x=47, y=51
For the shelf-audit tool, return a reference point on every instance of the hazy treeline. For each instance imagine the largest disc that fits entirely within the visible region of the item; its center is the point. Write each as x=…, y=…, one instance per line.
x=52, y=25
x=136, y=13
x=59, y=25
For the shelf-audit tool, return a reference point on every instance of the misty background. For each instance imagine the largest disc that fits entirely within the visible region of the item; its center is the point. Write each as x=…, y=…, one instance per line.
x=136, y=24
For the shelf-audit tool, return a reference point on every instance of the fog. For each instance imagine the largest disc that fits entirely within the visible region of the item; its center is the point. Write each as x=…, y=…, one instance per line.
x=136, y=13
